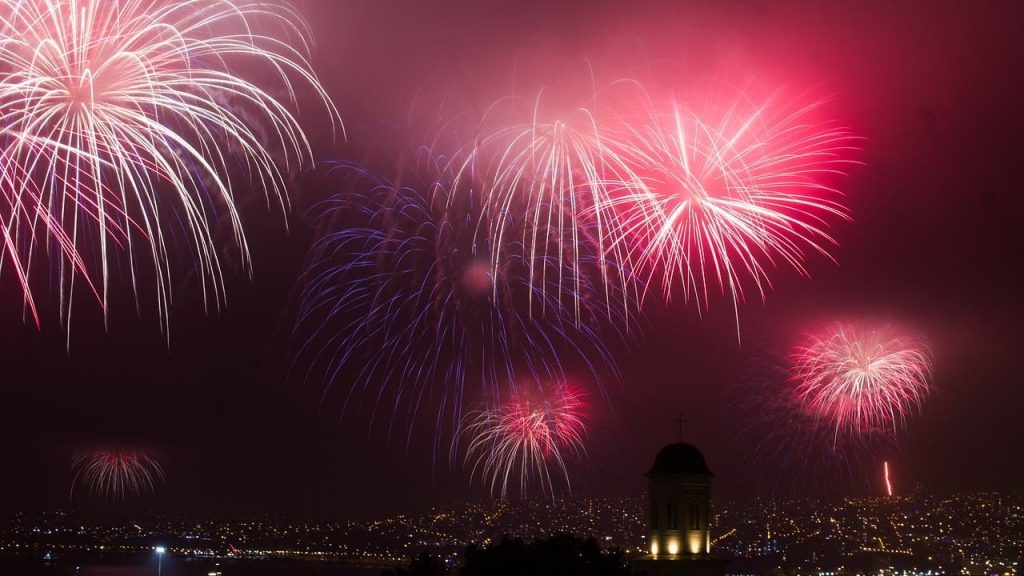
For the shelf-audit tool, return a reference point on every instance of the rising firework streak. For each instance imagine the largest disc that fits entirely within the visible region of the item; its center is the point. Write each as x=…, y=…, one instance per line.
x=888, y=483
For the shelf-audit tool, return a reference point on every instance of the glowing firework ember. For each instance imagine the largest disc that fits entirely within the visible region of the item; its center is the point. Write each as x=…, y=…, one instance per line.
x=528, y=434
x=405, y=307
x=728, y=196
x=115, y=474
x=124, y=118
x=861, y=378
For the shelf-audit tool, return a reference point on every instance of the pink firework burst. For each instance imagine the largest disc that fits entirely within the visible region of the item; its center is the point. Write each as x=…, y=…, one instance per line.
x=861, y=378
x=728, y=196
x=547, y=182
x=129, y=130
x=527, y=433
x=116, y=473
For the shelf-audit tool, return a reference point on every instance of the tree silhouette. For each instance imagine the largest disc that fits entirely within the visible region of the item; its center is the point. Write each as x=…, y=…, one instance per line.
x=422, y=565
x=562, y=555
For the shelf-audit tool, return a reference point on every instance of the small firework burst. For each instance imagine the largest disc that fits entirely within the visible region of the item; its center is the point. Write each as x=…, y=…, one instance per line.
x=861, y=377
x=528, y=433
x=116, y=473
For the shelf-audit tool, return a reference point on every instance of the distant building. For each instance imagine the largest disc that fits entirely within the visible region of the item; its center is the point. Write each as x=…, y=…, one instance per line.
x=679, y=509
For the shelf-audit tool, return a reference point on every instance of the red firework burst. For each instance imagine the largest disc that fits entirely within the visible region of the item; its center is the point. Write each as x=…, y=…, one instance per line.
x=861, y=377
x=527, y=432
x=729, y=195
x=116, y=473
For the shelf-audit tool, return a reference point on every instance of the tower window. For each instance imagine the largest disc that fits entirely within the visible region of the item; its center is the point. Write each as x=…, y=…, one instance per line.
x=694, y=516
x=671, y=516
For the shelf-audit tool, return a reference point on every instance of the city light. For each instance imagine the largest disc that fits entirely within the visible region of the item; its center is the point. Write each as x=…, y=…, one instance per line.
x=939, y=534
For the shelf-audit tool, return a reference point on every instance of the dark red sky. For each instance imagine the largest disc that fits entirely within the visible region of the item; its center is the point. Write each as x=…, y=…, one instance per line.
x=935, y=90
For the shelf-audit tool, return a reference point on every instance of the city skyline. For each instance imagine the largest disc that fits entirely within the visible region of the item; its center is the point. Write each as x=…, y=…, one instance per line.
x=975, y=532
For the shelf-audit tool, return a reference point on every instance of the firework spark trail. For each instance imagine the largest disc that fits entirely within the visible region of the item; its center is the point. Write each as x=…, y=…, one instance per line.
x=527, y=433
x=727, y=196
x=122, y=117
x=888, y=483
x=115, y=474
x=546, y=185
x=408, y=308
x=861, y=377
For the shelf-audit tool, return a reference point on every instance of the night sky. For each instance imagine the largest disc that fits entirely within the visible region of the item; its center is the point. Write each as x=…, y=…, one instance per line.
x=935, y=90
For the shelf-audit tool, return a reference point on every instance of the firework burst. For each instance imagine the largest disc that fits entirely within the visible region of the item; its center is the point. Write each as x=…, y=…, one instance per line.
x=546, y=185
x=727, y=196
x=861, y=378
x=123, y=119
x=115, y=474
x=406, y=305
x=529, y=433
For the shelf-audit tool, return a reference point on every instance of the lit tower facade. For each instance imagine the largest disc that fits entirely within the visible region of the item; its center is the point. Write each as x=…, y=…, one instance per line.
x=679, y=488
x=678, y=514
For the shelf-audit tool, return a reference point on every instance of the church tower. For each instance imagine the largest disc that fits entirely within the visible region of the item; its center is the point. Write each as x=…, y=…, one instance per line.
x=678, y=514
x=679, y=489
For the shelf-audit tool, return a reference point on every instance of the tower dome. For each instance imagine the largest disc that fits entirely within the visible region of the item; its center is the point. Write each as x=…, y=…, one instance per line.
x=680, y=458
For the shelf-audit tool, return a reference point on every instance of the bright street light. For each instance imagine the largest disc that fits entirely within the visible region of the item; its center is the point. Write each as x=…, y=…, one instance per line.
x=160, y=559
